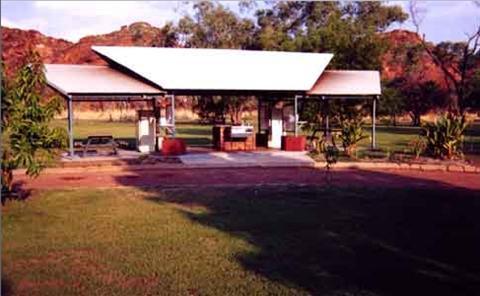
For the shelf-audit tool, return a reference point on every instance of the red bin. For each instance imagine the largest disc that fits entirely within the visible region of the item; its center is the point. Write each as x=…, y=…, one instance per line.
x=173, y=147
x=293, y=143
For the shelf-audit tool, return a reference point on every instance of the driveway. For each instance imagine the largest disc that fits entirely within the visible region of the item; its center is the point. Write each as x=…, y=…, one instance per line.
x=81, y=178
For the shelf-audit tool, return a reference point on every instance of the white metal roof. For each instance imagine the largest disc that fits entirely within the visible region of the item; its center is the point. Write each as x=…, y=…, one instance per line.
x=89, y=79
x=220, y=69
x=343, y=82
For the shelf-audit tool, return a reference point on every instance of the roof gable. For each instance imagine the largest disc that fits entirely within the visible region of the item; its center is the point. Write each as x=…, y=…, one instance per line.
x=347, y=83
x=220, y=69
x=89, y=79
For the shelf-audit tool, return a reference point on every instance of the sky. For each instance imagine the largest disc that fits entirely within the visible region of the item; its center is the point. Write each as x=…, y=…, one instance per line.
x=71, y=20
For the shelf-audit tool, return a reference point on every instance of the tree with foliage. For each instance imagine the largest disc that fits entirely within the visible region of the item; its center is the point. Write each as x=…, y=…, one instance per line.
x=458, y=61
x=236, y=105
x=348, y=29
x=217, y=109
x=392, y=104
x=419, y=97
x=28, y=140
x=473, y=92
x=214, y=26
x=210, y=109
x=169, y=36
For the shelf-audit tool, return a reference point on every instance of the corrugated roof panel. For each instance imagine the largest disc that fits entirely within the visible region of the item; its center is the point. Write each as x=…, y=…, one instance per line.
x=220, y=69
x=89, y=79
x=344, y=82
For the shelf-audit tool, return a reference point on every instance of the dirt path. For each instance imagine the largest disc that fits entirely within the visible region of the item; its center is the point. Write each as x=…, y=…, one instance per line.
x=249, y=177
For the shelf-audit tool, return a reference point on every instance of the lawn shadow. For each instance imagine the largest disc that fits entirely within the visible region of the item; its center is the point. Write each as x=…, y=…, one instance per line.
x=6, y=286
x=19, y=192
x=398, y=130
x=348, y=240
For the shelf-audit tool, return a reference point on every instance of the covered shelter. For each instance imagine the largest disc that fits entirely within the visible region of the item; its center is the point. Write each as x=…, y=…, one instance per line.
x=145, y=73
x=95, y=83
x=334, y=84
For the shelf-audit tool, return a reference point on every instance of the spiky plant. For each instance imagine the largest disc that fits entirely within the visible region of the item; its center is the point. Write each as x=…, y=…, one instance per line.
x=444, y=137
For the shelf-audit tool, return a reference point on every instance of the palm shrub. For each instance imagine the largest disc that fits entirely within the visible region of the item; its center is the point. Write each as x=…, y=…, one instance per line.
x=28, y=140
x=445, y=136
x=351, y=134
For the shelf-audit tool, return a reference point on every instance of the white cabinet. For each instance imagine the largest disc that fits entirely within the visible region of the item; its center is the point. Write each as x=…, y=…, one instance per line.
x=146, y=131
x=276, y=128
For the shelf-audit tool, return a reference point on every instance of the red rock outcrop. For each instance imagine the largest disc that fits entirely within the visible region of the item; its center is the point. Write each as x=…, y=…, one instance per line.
x=15, y=43
x=393, y=67
x=136, y=34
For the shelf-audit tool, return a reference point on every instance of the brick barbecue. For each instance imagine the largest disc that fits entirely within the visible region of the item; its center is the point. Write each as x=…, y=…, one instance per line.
x=233, y=138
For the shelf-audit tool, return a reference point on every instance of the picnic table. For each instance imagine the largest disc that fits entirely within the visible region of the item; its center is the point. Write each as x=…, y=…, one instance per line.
x=100, y=142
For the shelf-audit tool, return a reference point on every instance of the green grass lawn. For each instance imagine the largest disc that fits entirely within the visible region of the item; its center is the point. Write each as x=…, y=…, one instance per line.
x=251, y=241
x=194, y=134
x=389, y=138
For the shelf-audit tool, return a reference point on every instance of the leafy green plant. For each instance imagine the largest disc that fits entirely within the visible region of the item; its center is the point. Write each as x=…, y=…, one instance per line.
x=28, y=140
x=351, y=134
x=331, y=156
x=417, y=147
x=330, y=153
x=444, y=136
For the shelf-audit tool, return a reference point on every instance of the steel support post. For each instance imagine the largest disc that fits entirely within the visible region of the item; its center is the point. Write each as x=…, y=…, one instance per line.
x=70, y=126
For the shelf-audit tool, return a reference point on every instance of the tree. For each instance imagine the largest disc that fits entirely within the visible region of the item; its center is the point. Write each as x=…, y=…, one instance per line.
x=458, y=62
x=473, y=92
x=217, y=109
x=169, y=36
x=214, y=26
x=236, y=105
x=350, y=30
x=392, y=104
x=28, y=140
x=419, y=96
x=210, y=109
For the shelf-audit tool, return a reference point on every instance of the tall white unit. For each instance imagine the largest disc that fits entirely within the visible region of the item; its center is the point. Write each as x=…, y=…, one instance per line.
x=146, y=131
x=276, y=128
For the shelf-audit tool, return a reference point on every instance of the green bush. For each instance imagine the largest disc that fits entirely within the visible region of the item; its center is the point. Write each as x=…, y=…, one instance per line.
x=351, y=134
x=444, y=136
x=28, y=138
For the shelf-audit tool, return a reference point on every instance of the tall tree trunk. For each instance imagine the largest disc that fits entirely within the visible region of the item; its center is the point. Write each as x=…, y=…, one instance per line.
x=415, y=118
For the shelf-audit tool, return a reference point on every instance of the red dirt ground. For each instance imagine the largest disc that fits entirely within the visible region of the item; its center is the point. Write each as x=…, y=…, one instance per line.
x=249, y=177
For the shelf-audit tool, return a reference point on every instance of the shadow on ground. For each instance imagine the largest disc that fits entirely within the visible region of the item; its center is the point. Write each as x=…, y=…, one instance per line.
x=6, y=287
x=18, y=193
x=349, y=240
x=367, y=233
